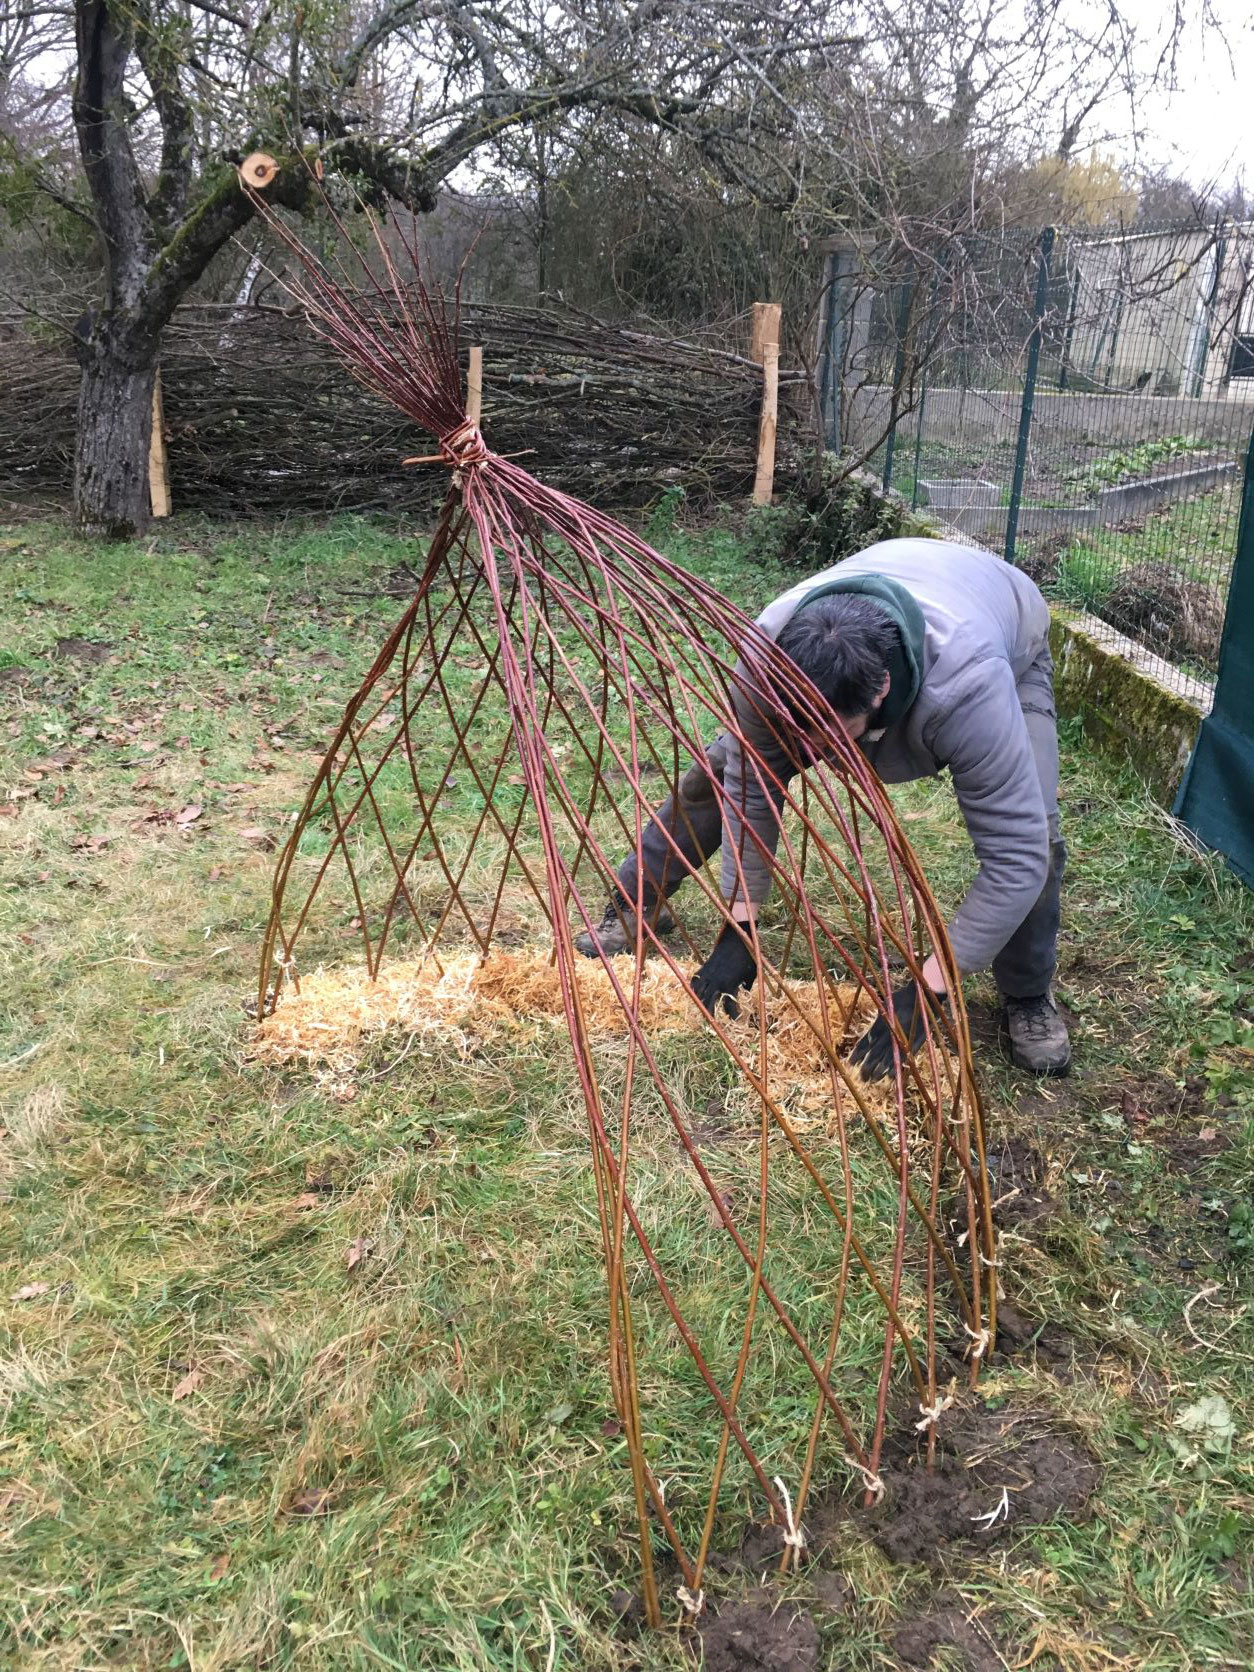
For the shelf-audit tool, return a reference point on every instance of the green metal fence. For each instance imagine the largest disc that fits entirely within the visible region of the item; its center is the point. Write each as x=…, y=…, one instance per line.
x=1082, y=405
x=1217, y=797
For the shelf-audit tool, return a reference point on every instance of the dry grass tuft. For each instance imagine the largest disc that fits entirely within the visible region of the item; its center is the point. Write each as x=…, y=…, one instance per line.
x=29, y=1125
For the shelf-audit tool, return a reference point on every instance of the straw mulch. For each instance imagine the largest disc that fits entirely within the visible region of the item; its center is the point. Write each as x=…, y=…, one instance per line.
x=466, y=1002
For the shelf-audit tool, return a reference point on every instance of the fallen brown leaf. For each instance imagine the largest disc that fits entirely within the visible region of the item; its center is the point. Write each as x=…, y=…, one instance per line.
x=30, y=1291
x=358, y=1250
x=309, y=1500
x=188, y=815
x=1208, y=1134
x=219, y=1565
x=259, y=837
x=309, y=1199
x=189, y=1384
x=216, y=872
x=728, y=1200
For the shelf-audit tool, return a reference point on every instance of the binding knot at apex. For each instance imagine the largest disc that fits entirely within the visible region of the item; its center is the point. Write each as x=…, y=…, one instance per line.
x=463, y=447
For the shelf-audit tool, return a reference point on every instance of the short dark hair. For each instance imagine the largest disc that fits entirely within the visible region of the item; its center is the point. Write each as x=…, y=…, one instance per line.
x=845, y=643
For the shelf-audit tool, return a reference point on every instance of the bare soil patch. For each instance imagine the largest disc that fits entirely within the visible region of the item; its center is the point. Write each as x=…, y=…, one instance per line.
x=1016, y=1174
x=917, y=1639
x=760, y=1634
x=92, y=652
x=995, y=1471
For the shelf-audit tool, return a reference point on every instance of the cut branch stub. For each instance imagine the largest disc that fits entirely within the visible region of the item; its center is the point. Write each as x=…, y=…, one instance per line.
x=258, y=170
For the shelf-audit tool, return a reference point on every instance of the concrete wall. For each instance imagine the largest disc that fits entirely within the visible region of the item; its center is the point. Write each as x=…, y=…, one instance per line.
x=978, y=509
x=1119, y=691
x=975, y=417
x=1149, y=303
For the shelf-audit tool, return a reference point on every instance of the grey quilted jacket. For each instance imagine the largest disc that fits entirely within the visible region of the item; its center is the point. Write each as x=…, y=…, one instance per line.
x=985, y=626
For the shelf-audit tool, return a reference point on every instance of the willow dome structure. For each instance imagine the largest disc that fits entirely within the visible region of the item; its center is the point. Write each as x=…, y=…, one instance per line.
x=567, y=674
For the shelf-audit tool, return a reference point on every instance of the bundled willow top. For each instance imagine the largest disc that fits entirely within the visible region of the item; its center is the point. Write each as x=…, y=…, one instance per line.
x=975, y=635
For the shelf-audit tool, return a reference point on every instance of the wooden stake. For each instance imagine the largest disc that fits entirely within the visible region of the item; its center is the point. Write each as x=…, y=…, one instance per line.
x=158, y=460
x=474, y=387
x=765, y=329
x=764, y=481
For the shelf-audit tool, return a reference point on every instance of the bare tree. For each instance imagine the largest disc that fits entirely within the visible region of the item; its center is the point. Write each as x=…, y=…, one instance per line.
x=398, y=96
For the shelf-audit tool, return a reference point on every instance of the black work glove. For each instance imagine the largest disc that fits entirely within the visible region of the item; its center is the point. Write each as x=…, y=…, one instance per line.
x=729, y=967
x=873, y=1053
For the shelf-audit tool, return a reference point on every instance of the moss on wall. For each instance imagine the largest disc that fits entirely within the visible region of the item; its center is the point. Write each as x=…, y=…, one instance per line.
x=1124, y=712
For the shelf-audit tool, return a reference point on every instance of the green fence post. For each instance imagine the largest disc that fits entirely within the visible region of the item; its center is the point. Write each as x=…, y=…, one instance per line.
x=1216, y=799
x=1212, y=300
x=1029, y=393
x=918, y=434
x=899, y=369
x=842, y=295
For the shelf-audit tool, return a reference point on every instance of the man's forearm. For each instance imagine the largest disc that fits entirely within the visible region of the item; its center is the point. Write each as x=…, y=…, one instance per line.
x=933, y=975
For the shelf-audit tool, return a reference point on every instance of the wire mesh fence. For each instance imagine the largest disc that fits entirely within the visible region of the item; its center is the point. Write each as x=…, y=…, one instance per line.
x=1082, y=405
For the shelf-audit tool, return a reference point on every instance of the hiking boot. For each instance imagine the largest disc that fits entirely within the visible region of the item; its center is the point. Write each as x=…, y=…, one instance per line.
x=1039, y=1042
x=616, y=931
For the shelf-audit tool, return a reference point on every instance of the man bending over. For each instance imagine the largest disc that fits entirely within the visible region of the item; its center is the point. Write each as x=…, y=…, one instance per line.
x=935, y=656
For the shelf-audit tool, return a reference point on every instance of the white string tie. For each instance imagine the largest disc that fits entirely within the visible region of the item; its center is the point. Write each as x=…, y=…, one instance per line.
x=980, y=1340
x=999, y=1512
x=795, y=1536
x=872, y=1482
x=933, y=1413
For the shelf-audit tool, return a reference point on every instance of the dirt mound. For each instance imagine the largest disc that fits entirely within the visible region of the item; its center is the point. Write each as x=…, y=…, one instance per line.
x=1016, y=1173
x=1178, y=618
x=761, y=1634
x=90, y=651
x=994, y=1471
x=916, y=1641
x=1053, y=1347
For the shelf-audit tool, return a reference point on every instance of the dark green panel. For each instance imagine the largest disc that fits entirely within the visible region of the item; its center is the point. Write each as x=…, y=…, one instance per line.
x=1216, y=799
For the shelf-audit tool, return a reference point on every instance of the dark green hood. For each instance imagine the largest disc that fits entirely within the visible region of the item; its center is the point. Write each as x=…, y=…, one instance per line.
x=905, y=671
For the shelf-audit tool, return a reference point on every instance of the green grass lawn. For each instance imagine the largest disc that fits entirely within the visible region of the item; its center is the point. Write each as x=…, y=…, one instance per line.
x=223, y=1448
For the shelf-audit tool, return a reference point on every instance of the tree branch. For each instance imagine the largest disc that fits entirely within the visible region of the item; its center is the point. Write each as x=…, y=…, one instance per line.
x=158, y=54
x=117, y=192
x=222, y=211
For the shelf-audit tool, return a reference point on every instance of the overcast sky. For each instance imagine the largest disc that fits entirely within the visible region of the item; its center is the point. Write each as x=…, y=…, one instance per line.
x=1205, y=129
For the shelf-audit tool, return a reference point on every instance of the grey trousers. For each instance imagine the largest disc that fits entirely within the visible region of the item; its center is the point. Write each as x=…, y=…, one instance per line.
x=1023, y=969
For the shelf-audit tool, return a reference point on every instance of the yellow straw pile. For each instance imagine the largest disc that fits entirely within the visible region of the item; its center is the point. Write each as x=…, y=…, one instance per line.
x=467, y=1002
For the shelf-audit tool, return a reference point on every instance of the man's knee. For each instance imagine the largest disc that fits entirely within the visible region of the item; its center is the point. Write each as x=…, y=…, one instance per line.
x=696, y=785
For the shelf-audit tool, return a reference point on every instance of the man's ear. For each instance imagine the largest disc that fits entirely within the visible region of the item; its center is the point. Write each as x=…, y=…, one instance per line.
x=884, y=688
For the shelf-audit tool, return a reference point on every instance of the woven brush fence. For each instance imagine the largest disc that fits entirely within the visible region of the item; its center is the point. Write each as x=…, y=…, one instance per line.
x=556, y=675
x=260, y=420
